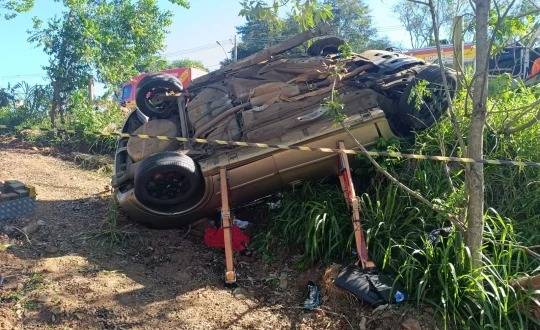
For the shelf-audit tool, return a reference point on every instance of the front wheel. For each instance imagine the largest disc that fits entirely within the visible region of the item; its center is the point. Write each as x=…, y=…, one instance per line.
x=168, y=181
x=424, y=100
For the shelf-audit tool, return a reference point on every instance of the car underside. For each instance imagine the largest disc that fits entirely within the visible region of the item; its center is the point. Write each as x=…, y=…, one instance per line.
x=269, y=97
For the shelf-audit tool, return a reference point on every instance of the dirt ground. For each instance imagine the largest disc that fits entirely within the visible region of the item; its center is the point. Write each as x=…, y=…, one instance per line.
x=70, y=270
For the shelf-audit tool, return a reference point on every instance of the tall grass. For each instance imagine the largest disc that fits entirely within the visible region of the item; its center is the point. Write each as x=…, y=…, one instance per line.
x=314, y=220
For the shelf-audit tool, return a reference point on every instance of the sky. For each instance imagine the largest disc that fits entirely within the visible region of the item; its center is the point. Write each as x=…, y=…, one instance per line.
x=193, y=34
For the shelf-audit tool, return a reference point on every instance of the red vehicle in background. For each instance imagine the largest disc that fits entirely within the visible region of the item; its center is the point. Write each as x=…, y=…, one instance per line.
x=129, y=89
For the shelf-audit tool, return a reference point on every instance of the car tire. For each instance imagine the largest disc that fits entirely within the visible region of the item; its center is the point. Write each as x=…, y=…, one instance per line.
x=411, y=118
x=149, y=90
x=325, y=46
x=168, y=180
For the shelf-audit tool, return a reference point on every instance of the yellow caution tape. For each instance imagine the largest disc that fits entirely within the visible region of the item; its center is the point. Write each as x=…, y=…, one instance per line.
x=389, y=154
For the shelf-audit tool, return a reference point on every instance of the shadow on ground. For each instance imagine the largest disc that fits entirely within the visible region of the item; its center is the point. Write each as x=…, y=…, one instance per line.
x=72, y=270
x=95, y=274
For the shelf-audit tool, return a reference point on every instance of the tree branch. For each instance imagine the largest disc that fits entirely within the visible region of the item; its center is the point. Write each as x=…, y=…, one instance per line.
x=530, y=123
x=419, y=2
x=453, y=218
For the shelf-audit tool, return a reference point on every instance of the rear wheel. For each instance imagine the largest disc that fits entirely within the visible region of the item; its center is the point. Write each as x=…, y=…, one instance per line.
x=168, y=181
x=424, y=100
x=325, y=46
x=157, y=95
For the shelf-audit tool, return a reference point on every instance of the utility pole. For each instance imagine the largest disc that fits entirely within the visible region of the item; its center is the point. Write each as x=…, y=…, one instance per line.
x=235, y=49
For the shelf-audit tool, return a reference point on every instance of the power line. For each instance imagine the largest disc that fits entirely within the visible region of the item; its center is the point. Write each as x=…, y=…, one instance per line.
x=197, y=48
x=26, y=75
x=213, y=45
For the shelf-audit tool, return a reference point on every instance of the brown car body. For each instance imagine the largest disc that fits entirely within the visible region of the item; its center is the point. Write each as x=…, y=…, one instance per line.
x=372, y=112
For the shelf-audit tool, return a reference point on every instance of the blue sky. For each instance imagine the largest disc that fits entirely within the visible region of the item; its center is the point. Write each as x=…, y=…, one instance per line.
x=193, y=35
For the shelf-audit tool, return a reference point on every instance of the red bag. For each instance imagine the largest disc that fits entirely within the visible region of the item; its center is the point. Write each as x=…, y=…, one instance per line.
x=213, y=237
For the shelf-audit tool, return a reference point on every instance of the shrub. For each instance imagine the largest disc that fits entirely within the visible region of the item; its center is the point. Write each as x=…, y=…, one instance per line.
x=88, y=120
x=313, y=218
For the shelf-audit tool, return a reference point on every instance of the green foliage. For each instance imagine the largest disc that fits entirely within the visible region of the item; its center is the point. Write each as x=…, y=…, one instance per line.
x=306, y=13
x=27, y=105
x=122, y=38
x=346, y=50
x=116, y=39
x=111, y=234
x=63, y=41
x=334, y=107
x=181, y=3
x=22, y=296
x=6, y=97
x=508, y=29
x=310, y=13
x=416, y=19
x=351, y=20
x=314, y=220
x=85, y=118
x=266, y=25
x=419, y=93
x=187, y=63
x=14, y=7
x=257, y=34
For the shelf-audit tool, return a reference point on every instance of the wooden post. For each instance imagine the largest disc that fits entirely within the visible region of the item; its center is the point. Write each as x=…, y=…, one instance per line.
x=347, y=186
x=457, y=41
x=230, y=274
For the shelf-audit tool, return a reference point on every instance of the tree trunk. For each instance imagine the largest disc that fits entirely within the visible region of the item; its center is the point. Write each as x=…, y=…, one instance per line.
x=55, y=103
x=475, y=175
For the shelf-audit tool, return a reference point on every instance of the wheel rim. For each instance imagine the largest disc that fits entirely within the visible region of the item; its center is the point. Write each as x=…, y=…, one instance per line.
x=168, y=186
x=155, y=99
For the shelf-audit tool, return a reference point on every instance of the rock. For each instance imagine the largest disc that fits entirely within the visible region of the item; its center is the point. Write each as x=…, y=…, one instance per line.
x=283, y=281
x=46, y=316
x=33, y=227
x=10, y=285
x=240, y=293
x=410, y=324
x=362, y=324
x=51, y=249
x=380, y=308
x=10, y=230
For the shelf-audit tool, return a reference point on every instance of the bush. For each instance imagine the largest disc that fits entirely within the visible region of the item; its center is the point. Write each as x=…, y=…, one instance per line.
x=89, y=121
x=314, y=220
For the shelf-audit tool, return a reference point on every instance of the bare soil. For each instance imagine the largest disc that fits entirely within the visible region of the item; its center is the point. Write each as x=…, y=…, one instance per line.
x=65, y=267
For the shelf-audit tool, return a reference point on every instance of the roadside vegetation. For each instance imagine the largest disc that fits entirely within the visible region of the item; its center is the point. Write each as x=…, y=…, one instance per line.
x=433, y=261
x=313, y=219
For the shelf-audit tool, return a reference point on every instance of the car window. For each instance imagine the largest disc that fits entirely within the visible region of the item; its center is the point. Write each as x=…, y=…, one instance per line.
x=126, y=92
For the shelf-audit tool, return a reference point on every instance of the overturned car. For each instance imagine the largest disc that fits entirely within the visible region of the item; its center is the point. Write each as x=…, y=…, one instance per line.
x=269, y=97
